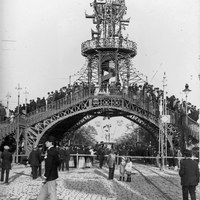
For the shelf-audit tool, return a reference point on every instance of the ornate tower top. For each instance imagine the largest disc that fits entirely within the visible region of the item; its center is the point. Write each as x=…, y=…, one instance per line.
x=108, y=53
x=110, y=21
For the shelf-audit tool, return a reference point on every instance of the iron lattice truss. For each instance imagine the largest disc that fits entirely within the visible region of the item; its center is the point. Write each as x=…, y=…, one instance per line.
x=126, y=71
x=92, y=107
x=87, y=110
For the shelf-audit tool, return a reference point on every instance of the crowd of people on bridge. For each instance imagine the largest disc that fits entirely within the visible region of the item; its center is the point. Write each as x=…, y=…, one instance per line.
x=145, y=94
x=2, y=112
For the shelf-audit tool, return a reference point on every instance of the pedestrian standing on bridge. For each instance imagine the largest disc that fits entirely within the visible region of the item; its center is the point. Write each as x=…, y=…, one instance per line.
x=6, y=157
x=52, y=162
x=189, y=173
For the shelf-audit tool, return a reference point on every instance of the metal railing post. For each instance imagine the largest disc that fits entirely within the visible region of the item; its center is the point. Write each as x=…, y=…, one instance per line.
x=77, y=160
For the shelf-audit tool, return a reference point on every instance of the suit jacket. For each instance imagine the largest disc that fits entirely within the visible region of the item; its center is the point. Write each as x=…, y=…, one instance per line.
x=52, y=162
x=189, y=172
x=6, y=160
x=35, y=158
x=111, y=160
x=67, y=154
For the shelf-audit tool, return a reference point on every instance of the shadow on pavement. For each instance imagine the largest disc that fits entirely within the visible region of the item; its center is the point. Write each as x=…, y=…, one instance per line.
x=100, y=173
x=18, y=174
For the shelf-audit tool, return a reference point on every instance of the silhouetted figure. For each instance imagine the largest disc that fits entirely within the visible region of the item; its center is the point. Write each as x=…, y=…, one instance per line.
x=6, y=157
x=189, y=173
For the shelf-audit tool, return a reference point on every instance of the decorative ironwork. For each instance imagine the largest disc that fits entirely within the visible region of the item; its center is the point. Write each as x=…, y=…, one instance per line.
x=91, y=46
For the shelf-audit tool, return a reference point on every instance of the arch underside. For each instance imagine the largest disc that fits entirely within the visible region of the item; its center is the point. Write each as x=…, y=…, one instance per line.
x=66, y=126
x=73, y=117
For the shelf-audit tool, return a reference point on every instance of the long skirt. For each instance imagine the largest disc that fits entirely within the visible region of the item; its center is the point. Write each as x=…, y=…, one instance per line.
x=71, y=162
x=81, y=162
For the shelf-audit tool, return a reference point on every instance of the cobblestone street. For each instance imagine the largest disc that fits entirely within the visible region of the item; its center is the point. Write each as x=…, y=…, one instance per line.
x=148, y=183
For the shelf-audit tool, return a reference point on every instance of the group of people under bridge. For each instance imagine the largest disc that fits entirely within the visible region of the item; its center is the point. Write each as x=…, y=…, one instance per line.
x=83, y=156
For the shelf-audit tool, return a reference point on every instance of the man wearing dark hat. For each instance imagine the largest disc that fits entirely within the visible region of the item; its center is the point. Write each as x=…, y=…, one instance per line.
x=35, y=161
x=48, y=190
x=6, y=157
x=189, y=173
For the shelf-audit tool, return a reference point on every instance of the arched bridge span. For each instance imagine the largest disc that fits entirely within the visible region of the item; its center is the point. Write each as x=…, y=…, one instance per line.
x=73, y=111
x=63, y=116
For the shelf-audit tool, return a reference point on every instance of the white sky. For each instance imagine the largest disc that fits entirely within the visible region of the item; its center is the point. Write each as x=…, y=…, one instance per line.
x=40, y=44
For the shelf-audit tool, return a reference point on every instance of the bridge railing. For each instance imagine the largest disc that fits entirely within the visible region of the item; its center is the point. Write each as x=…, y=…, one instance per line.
x=55, y=106
x=152, y=106
x=108, y=43
x=78, y=95
x=8, y=126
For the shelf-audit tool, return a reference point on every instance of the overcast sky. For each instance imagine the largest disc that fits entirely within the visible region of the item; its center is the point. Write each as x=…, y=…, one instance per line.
x=40, y=44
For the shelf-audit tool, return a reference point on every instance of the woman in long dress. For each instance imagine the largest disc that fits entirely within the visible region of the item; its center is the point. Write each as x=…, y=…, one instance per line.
x=81, y=161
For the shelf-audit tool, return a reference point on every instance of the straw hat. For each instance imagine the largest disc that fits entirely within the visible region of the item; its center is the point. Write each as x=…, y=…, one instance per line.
x=6, y=147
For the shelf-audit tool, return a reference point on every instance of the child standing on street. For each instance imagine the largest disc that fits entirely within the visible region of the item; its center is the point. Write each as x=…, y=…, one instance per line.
x=122, y=169
x=128, y=169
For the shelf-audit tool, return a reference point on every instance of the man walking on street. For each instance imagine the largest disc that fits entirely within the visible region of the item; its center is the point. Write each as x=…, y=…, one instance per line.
x=48, y=190
x=189, y=173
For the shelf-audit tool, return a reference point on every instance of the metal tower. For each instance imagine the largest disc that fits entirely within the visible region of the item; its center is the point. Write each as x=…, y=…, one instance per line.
x=109, y=53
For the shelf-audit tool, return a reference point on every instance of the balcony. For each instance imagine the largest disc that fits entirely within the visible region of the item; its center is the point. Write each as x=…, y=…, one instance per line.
x=123, y=45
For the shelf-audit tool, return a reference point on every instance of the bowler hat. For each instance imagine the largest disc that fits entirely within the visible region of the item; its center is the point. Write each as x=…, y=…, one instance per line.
x=187, y=153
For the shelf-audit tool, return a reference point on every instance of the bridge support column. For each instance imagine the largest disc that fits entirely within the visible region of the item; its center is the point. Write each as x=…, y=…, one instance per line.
x=99, y=71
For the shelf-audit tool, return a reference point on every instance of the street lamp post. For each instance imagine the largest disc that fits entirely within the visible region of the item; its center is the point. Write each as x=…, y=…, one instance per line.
x=26, y=93
x=186, y=92
x=17, y=138
x=8, y=97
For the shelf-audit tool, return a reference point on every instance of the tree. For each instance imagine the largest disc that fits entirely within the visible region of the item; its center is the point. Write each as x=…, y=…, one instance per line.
x=136, y=134
x=84, y=136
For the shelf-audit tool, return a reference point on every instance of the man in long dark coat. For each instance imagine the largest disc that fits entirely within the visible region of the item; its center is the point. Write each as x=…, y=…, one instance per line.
x=52, y=162
x=189, y=173
x=6, y=157
x=35, y=161
x=101, y=155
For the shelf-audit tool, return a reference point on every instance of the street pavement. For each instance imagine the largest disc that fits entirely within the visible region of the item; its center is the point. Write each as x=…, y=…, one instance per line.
x=148, y=183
